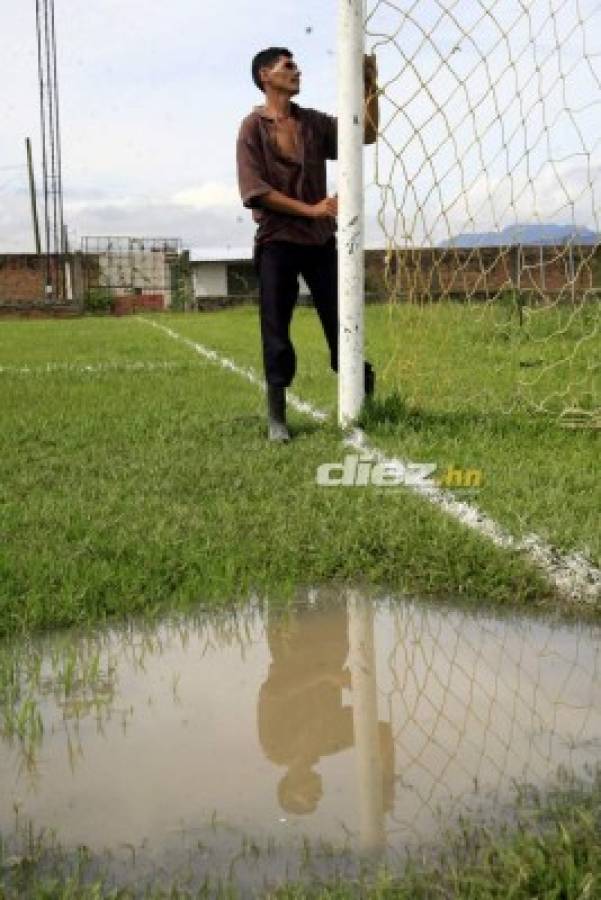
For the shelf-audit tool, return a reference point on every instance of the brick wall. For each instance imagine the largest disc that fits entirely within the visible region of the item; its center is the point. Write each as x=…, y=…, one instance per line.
x=127, y=304
x=23, y=279
x=420, y=272
x=484, y=272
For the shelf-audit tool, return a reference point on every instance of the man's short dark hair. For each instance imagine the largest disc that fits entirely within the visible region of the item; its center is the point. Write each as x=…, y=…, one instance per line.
x=267, y=58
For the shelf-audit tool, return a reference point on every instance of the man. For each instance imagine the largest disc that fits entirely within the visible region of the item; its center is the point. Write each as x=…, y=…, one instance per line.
x=281, y=156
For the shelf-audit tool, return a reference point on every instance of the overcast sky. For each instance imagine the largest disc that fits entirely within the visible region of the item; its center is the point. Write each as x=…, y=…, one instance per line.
x=151, y=99
x=152, y=95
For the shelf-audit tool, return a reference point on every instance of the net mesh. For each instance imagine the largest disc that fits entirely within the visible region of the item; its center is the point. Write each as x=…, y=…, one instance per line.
x=486, y=193
x=479, y=704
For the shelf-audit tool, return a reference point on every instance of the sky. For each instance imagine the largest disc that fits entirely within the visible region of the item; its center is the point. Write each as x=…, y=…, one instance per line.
x=152, y=96
x=151, y=99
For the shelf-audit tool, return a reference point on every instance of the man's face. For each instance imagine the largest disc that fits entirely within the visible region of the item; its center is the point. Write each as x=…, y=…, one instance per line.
x=283, y=76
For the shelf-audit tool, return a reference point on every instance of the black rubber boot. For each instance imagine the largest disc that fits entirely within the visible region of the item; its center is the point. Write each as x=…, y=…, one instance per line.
x=276, y=414
x=369, y=380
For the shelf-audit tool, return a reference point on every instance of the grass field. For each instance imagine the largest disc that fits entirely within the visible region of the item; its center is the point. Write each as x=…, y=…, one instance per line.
x=458, y=406
x=137, y=479
x=137, y=474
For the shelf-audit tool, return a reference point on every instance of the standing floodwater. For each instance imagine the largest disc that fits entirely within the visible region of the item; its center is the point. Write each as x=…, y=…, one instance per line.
x=251, y=745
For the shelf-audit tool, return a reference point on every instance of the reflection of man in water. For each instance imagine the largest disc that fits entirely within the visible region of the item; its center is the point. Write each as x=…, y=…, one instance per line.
x=300, y=713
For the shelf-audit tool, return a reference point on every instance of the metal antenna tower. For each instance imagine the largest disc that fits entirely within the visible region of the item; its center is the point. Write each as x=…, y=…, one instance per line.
x=51, y=149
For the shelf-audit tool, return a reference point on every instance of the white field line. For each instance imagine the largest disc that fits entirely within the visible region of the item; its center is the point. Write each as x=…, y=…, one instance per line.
x=572, y=575
x=85, y=369
x=247, y=373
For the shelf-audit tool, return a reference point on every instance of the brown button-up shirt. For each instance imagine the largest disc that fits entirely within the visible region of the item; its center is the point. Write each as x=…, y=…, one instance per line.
x=262, y=167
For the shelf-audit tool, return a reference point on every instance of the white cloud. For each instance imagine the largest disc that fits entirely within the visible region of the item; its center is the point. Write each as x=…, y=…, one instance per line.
x=200, y=228
x=77, y=207
x=212, y=194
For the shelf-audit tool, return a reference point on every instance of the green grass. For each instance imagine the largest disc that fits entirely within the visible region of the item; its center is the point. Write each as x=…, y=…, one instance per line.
x=446, y=357
x=457, y=373
x=130, y=491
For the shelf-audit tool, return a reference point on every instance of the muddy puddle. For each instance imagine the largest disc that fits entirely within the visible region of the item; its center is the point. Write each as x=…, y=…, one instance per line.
x=265, y=745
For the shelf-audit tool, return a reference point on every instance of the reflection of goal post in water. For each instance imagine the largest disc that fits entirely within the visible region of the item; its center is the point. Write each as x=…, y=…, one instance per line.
x=478, y=706
x=485, y=189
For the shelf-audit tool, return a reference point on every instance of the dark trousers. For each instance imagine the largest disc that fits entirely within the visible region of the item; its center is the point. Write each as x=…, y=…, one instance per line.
x=278, y=265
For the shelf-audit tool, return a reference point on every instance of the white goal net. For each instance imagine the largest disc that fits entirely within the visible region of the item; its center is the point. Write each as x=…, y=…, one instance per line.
x=486, y=188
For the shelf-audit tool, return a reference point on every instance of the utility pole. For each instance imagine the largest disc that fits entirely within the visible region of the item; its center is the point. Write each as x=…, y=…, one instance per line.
x=32, y=194
x=68, y=270
x=51, y=147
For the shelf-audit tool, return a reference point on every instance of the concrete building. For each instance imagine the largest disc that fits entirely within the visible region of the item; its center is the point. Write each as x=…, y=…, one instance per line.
x=226, y=272
x=127, y=265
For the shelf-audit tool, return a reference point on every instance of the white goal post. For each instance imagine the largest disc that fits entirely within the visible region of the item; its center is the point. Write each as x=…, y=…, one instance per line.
x=351, y=288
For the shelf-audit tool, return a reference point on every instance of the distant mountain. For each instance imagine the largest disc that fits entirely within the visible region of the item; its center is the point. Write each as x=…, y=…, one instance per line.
x=529, y=234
